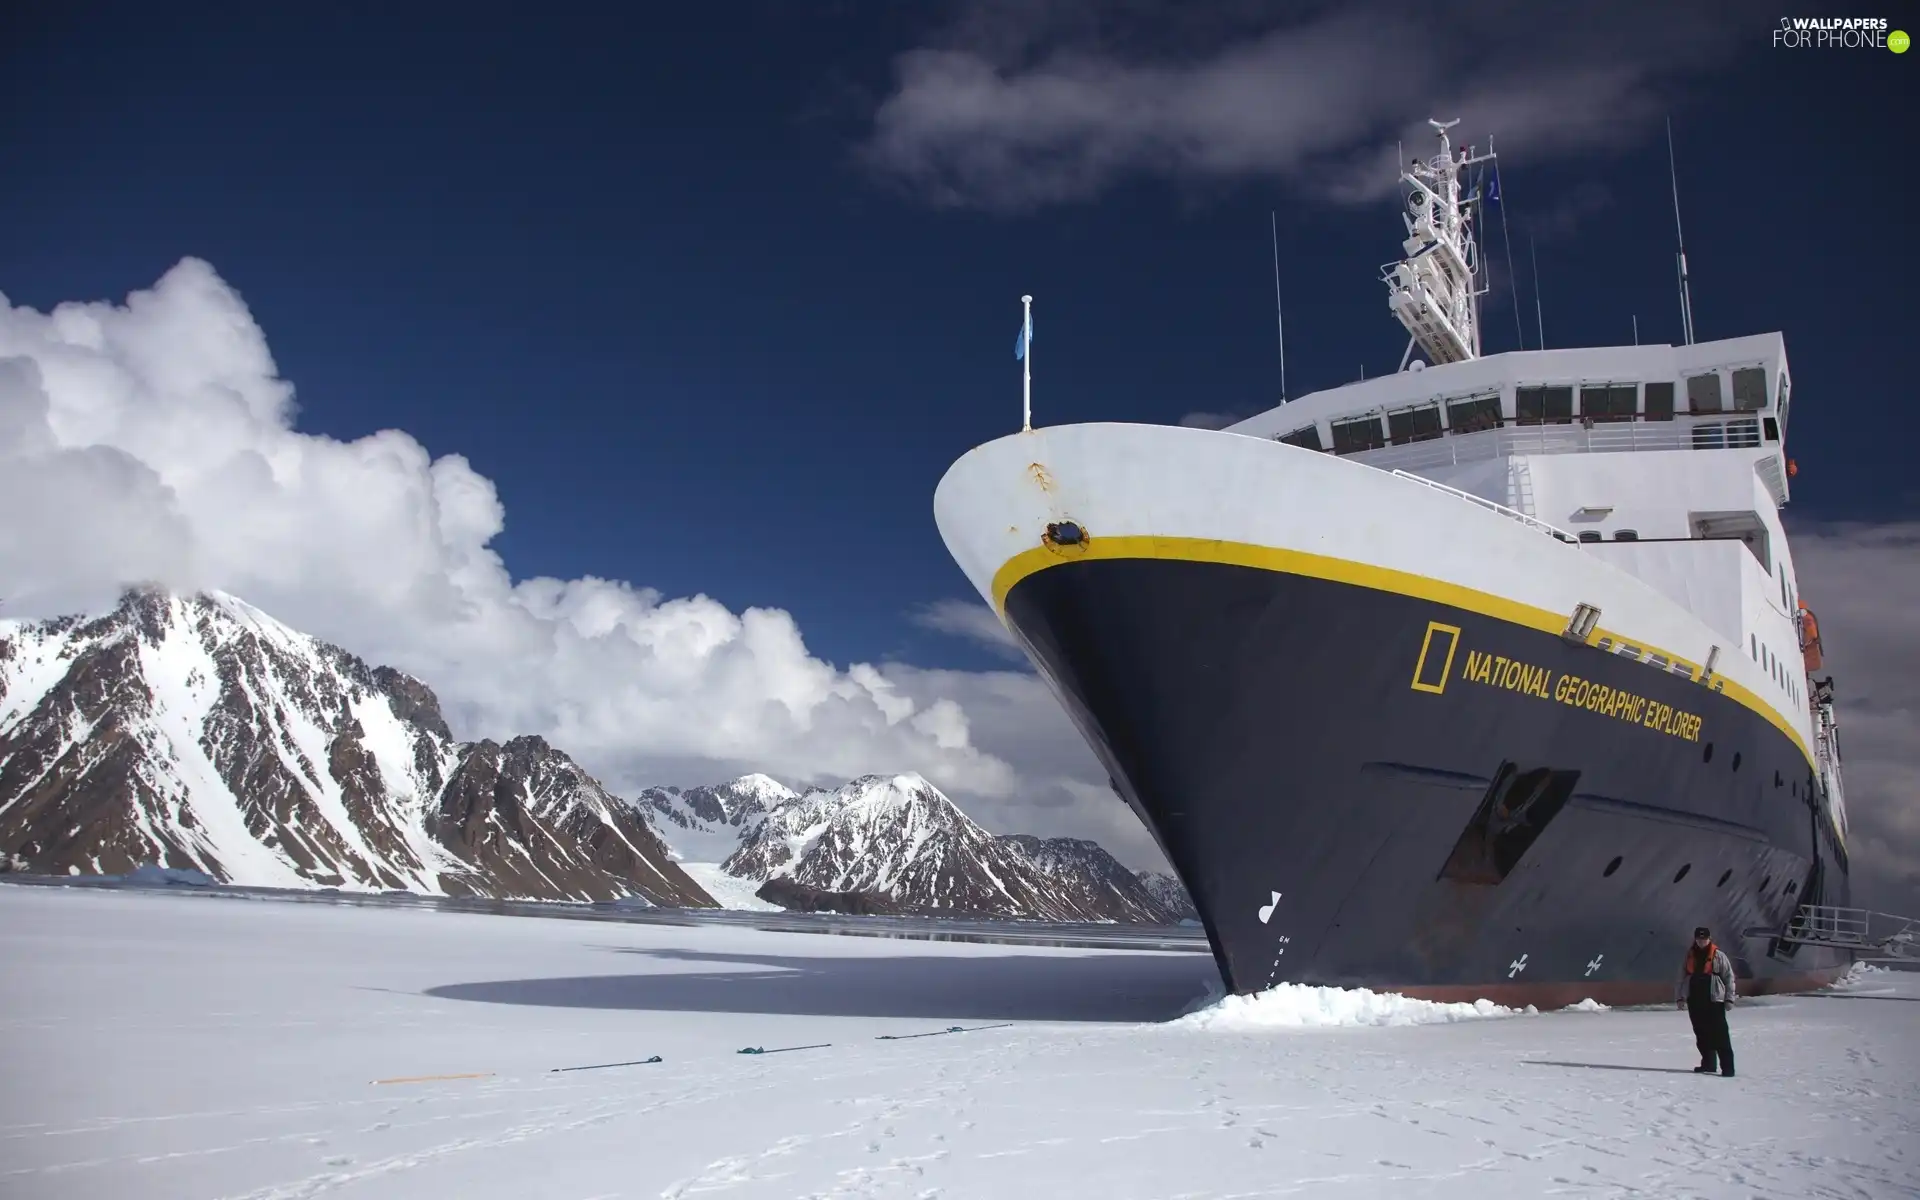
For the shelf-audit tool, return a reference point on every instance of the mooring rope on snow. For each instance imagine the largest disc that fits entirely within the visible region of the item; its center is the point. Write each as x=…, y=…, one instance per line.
x=638, y=1062
x=642, y=1062
x=901, y=1037
x=783, y=1049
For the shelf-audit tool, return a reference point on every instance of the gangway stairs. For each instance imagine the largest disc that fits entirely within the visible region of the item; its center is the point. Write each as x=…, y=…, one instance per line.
x=1872, y=936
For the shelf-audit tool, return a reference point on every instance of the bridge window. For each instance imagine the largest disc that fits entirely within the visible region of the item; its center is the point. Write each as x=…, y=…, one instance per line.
x=1307, y=438
x=1703, y=393
x=1626, y=535
x=1360, y=433
x=1782, y=406
x=1660, y=401
x=1608, y=402
x=1414, y=424
x=1589, y=535
x=1474, y=414
x=1543, y=405
x=1749, y=389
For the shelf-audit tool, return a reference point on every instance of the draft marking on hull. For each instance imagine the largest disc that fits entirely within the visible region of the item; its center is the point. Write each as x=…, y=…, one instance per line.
x=1266, y=910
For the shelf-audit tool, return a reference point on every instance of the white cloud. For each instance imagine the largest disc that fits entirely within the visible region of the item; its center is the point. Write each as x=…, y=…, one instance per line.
x=973, y=620
x=1210, y=420
x=1021, y=105
x=154, y=441
x=1863, y=583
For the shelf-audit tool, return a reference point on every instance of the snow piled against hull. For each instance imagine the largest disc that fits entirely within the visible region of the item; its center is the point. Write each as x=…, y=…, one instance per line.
x=1299, y=1006
x=198, y=733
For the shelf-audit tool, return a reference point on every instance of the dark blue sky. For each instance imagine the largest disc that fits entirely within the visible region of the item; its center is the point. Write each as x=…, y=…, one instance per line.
x=631, y=268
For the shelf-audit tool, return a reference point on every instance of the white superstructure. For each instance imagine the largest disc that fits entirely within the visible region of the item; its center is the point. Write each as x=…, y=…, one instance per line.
x=1667, y=463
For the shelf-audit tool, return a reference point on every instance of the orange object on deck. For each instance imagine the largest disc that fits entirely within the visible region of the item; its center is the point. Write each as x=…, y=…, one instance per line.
x=1809, y=637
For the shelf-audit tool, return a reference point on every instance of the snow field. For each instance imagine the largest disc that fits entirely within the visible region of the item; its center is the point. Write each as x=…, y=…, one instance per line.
x=163, y=1045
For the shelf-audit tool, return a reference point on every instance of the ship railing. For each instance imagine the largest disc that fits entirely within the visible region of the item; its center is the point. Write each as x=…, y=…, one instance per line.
x=1872, y=936
x=1515, y=514
x=1578, y=435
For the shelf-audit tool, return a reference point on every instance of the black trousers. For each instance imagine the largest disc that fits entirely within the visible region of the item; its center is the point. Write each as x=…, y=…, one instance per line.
x=1710, y=1033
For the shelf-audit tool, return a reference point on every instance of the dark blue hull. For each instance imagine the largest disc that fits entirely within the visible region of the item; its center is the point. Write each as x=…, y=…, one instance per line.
x=1448, y=804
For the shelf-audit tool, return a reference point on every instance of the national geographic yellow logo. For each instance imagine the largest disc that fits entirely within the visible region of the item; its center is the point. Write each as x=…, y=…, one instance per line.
x=1440, y=649
x=1436, y=660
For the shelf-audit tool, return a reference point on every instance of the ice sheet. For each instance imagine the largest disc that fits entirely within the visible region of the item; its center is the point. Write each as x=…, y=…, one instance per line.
x=166, y=1045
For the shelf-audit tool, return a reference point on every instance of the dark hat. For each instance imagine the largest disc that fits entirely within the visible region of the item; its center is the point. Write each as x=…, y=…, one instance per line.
x=1701, y=931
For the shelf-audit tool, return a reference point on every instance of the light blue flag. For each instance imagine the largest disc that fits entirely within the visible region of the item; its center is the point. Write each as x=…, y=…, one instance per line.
x=1025, y=337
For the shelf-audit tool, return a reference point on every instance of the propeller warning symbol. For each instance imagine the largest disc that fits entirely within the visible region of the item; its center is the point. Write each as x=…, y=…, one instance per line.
x=1266, y=910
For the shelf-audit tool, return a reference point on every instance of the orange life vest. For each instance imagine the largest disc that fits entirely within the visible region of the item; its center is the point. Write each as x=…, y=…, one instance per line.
x=1697, y=965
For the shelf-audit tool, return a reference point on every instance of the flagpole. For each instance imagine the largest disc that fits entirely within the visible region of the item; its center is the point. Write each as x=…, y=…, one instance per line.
x=1026, y=360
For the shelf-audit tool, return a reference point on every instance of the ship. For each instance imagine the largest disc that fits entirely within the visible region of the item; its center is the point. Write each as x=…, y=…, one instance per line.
x=1486, y=678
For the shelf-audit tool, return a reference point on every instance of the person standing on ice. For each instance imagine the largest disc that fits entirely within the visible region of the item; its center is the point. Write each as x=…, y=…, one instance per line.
x=1706, y=991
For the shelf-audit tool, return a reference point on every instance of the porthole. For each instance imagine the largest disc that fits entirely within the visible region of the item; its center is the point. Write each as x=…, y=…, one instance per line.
x=1724, y=876
x=1707, y=755
x=1611, y=867
x=1682, y=872
x=1736, y=760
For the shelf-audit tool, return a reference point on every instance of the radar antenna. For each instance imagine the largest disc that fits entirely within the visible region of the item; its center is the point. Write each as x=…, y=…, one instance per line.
x=1433, y=290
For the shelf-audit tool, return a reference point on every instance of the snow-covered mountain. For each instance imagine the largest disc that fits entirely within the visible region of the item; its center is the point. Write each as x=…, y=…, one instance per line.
x=1170, y=892
x=897, y=844
x=197, y=732
x=707, y=824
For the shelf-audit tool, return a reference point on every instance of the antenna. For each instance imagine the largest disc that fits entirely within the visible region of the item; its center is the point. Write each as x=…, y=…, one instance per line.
x=1513, y=276
x=1434, y=289
x=1636, y=329
x=1539, y=321
x=1279, y=321
x=1686, y=298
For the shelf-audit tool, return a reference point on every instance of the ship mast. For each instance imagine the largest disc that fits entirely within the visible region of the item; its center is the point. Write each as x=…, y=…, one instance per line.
x=1432, y=290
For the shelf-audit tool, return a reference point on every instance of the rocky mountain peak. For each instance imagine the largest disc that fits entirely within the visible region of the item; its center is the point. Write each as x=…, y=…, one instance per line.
x=198, y=733
x=896, y=843
x=706, y=824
